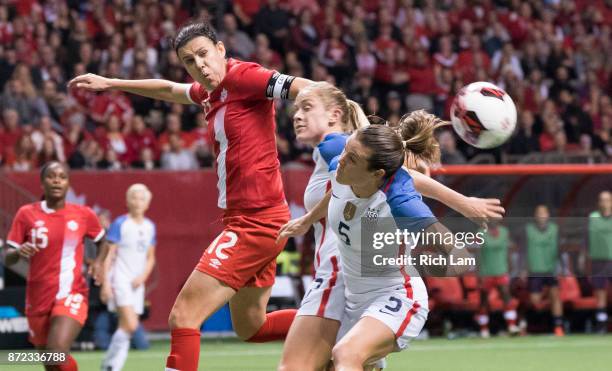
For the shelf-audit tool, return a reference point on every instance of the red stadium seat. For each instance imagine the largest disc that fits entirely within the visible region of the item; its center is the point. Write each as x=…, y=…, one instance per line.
x=447, y=293
x=569, y=290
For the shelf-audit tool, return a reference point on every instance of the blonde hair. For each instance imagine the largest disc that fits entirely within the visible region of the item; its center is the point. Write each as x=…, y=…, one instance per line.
x=417, y=131
x=352, y=118
x=139, y=187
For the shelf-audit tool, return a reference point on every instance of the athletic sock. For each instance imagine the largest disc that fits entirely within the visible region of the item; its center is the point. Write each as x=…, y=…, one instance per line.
x=117, y=351
x=482, y=318
x=276, y=326
x=510, y=317
x=558, y=321
x=69, y=365
x=184, y=350
x=601, y=316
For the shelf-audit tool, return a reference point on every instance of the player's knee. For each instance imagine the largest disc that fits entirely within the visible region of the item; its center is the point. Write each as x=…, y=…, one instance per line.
x=245, y=333
x=344, y=354
x=178, y=318
x=130, y=328
x=296, y=365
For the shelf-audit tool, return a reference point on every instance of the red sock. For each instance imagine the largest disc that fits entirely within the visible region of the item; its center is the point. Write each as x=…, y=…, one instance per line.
x=69, y=365
x=184, y=350
x=276, y=326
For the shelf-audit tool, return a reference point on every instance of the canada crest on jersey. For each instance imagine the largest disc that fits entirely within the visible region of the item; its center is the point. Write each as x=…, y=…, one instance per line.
x=72, y=225
x=349, y=211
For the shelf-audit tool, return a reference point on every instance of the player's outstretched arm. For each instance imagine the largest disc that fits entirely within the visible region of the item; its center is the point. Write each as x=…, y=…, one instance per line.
x=298, y=84
x=300, y=226
x=479, y=210
x=152, y=88
x=458, y=253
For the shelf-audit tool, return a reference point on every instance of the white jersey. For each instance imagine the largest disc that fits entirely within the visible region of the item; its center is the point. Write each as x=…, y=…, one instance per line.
x=318, y=185
x=325, y=295
x=133, y=242
x=397, y=198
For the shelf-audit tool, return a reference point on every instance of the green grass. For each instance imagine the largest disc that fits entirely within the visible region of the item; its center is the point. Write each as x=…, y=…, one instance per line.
x=571, y=353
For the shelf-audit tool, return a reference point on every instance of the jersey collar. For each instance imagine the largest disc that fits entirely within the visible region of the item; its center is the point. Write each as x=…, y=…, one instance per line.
x=45, y=208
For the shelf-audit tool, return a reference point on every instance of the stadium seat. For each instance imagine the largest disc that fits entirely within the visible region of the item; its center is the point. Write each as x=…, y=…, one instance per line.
x=570, y=293
x=447, y=293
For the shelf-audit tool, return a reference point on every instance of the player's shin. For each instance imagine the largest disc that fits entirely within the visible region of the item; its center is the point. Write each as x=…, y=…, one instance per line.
x=275, y=327
x=184, y=350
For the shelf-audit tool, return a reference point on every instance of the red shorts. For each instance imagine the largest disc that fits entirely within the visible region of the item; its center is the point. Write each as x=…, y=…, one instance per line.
x=493, y=282
x=74, y=306
x=244, y=254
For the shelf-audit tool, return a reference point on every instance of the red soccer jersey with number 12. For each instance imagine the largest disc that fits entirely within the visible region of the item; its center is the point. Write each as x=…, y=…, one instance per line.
x=241, y=126
x=56, y=270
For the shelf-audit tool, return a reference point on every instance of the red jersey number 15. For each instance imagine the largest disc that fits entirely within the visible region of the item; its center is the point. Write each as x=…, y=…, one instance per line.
x=39, y=237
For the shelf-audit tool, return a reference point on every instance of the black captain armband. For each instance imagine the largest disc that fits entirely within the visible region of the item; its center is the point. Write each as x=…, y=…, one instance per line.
x=278, y=86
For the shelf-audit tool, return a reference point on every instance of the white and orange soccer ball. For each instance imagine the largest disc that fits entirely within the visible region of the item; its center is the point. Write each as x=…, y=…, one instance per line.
x=483, y=115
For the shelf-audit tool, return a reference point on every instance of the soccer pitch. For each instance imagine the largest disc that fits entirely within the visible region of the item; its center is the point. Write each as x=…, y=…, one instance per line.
x=571, y=353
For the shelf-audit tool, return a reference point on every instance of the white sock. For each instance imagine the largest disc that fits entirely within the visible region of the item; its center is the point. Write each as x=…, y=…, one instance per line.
x=510, y=315
x=602, y=316
x=117, y=351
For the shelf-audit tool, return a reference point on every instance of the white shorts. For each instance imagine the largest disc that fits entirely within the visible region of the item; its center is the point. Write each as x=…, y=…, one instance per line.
x=404, y=316
x=325, y=296
x=124, y=295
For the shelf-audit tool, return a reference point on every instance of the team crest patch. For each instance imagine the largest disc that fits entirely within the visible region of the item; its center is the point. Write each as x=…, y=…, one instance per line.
x=72, y=225
x=349, y=211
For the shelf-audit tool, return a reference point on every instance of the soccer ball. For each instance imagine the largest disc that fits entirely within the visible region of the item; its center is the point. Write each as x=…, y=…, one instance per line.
x=483, y=115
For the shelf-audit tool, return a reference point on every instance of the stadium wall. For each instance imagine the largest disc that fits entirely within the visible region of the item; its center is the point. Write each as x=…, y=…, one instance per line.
x=184, y=206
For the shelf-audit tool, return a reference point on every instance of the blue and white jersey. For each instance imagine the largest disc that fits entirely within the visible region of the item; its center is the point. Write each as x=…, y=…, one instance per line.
x=396, y=198
x=133, y=241
x=318, y=185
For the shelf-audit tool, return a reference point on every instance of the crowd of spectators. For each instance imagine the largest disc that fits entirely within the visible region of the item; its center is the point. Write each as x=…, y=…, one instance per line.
x=392, y=56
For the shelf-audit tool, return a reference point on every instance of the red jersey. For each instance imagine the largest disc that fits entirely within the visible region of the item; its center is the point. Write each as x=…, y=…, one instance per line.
x=242, y=129
x=56, y=270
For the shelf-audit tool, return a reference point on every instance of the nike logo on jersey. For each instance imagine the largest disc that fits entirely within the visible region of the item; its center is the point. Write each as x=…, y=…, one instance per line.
x=333, y=195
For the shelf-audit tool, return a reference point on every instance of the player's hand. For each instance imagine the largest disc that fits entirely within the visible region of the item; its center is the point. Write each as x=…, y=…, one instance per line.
x=96, y=271
x=482, y=210
x=137, y=282
x=90, y=82
x=27, y=250
x=294, y=228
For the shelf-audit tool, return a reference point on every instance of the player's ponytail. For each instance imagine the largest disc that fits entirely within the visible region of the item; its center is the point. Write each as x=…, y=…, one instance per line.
x=356, y=118
x=417, y=132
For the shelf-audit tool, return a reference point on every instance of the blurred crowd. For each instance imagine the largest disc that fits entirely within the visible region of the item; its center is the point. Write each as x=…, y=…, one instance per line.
x=391, y=56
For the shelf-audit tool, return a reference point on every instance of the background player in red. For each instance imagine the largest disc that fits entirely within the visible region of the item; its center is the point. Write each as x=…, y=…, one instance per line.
x=50, y=235
x=239, y=266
